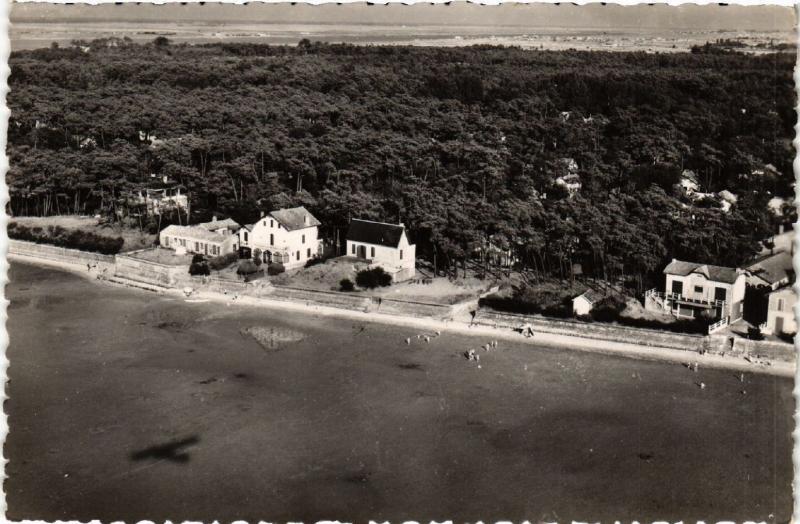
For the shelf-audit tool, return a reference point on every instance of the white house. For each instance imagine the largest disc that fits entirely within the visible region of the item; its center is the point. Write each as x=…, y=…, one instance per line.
x=384, y=245
x=692, y=289
x=207, y=238
x=286, y=236
x=781, y=319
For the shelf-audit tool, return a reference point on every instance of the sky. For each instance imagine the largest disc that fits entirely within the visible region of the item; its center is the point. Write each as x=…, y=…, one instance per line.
x=693, y=17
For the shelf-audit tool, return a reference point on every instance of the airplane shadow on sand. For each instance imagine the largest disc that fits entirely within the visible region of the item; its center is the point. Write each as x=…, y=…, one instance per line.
x=174, y=451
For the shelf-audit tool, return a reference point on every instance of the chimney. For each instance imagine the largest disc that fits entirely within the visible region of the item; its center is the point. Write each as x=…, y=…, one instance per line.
x=262, y=214
x=164, y=178
x=213, y=218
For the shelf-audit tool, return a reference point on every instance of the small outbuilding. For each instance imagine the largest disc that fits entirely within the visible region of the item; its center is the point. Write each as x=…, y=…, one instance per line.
x=585, y=302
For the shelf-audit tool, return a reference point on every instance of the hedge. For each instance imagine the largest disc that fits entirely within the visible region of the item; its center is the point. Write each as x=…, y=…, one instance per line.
x=372, y=278
x=69, y=238
x=222, y=261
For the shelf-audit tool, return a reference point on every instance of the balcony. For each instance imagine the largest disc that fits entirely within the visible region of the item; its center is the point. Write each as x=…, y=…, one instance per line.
x=681, y=299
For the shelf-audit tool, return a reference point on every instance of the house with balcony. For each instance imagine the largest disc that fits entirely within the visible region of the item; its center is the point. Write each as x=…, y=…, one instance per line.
x=286, y=236
x=383, y=245
x=692, y=289
x=160, y=196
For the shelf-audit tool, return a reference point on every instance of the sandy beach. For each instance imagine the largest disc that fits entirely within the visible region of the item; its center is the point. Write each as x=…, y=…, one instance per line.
x=205, y=411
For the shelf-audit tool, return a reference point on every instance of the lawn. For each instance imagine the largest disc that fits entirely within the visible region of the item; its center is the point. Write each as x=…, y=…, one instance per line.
x=134, y=239
x=327, y=276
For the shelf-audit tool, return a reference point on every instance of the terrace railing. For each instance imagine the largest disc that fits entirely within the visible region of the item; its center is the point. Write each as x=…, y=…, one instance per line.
x=691, y=300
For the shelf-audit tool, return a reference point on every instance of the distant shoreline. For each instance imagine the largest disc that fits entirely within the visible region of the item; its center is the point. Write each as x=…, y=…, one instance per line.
x=28, y=35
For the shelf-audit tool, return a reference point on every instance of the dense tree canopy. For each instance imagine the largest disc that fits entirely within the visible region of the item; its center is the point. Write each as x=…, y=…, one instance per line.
x=463, y=145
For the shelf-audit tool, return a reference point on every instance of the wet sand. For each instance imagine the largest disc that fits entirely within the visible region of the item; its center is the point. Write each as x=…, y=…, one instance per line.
x=129, y=405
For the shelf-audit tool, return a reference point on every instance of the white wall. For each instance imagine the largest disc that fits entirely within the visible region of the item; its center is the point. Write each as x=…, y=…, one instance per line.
x=171, y=241
x=283, y=241
x=786, y=312
x=387, y=257
x=581, y=306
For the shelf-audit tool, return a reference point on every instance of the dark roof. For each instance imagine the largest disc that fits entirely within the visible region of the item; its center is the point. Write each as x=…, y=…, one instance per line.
x=592, y=296
x=715, y=273
x=295, y=218
x=773, y=268
x=378, y=233
x=215, y=225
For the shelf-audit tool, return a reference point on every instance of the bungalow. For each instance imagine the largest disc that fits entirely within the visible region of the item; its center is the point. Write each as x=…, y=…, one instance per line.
x=206, y=238
x=285, y=236
x=692, y=289
x=384, y=245
x=781, y=319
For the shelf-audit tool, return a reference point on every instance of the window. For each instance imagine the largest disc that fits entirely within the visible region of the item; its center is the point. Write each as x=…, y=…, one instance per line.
x=271, y=224
x=353, y=252
x=166, y=241
x=271, y=239
x=245, y=236
x=308, y=253
x=265, y=223
x=780, y=304
x=298, y=255
x=698, y=289
x=677, y=287
x=197, y=246
x=720, y=293
x=372, y=252
x=303, y=240
x=401, y=254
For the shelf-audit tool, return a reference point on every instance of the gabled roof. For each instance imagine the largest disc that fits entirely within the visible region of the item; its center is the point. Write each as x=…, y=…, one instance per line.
x=378, y=233
x=592, y=296
x=773, y=268
x=715, y=273
x=194, y=233
x=295, y=218
x=214, y=225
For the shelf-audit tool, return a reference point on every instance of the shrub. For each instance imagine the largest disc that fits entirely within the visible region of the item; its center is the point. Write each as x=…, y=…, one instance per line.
x=754, y=333
x=199, y=268
x=608, y=309
x=247, y=267
x=346, y=284
x=549, y=302
x=257, y=257
x=72, y=239
x=314, y=261
x=198, y=258
x=222, y=261
x=275, y=268
x=372, y=278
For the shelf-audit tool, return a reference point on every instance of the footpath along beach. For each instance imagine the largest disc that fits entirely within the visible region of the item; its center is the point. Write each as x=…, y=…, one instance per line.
x=465, y=327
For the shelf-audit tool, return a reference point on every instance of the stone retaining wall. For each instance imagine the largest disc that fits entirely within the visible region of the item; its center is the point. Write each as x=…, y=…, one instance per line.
x=643, y=337
x=150, y=272
x=320, y=298
x=762, y=349
x=61, y=254
x=716, y=344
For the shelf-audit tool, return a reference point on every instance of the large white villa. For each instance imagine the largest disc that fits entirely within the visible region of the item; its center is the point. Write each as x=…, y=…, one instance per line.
x=286, y=236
